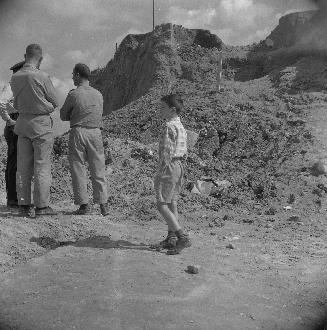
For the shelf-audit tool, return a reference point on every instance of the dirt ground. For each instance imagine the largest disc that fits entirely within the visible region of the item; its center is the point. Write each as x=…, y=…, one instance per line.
x=91, y=272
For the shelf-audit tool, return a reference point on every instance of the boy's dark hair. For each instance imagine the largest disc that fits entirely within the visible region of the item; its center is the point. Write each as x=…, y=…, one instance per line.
x=174, y=100
x=83, y=70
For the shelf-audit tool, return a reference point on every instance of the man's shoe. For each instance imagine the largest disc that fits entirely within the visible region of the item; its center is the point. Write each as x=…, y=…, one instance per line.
x=104, y=208
x=182, y=243
x=45, y=211
x=84, y=209
x=12, y=204
x=27, y=211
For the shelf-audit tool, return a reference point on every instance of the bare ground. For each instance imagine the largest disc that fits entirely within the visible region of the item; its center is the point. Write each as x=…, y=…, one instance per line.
x=90, y=272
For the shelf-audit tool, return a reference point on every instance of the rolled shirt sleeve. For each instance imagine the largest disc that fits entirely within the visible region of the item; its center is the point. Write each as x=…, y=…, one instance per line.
x=3, y=111
x=6, y=106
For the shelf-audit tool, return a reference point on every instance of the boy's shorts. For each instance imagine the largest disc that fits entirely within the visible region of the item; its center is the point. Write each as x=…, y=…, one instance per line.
x=168, y=184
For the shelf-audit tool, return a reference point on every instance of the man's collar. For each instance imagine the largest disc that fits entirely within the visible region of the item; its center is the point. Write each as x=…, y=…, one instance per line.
x=84, y=84
x=31, y=66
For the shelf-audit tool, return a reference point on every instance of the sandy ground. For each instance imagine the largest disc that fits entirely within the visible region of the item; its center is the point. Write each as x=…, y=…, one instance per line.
x=90, y=272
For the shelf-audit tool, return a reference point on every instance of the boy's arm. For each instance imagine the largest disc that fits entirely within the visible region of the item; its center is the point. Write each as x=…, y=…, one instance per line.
x=3, y=111
x=169, y=145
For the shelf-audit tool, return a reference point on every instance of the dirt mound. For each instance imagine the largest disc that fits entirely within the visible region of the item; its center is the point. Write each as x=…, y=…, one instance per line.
x=146, y=61
x=291, y=29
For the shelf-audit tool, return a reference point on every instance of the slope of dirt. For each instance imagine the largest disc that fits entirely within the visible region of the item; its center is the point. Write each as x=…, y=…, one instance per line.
x=147, y=60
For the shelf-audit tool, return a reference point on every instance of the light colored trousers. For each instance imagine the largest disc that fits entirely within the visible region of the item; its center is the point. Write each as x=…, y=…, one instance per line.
x=34, y=159
x=86, y=145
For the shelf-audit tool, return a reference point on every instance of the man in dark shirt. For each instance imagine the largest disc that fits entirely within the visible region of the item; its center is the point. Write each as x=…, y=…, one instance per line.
x=35, y=99
x=9, y=114
x=83, y=107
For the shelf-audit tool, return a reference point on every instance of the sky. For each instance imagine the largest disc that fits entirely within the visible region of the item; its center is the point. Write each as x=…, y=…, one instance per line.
x=72, y=31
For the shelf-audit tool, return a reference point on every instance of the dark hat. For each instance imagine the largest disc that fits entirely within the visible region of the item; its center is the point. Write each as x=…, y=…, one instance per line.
x=17, y=66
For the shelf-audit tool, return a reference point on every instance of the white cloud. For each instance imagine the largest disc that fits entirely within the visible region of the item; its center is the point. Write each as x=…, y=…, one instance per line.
x=47, y=62
x=87, y=57
x=195, y=18
x=91, y=14
x=63, y=86
x=77, y=55
x=232, y=6
x=243, y=13
x=73, y=8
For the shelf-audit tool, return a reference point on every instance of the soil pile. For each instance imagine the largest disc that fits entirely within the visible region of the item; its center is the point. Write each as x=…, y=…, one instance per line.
x=291, y=29
x=256, y=134
x=146, y=61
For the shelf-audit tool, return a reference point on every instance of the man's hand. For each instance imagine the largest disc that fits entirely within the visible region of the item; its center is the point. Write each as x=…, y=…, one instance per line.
x=11, y=122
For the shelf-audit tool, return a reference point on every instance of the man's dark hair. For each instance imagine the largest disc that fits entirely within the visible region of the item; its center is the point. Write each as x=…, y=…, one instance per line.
x=174, y=100
x=83, y=70
x=33, y=50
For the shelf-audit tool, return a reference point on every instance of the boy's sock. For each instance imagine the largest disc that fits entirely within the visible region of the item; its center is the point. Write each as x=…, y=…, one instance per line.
x=182, y=243
x=180, y=233
x=170, y=234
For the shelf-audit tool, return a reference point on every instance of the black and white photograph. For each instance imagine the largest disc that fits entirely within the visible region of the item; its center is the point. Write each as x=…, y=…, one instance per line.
x=163, y=164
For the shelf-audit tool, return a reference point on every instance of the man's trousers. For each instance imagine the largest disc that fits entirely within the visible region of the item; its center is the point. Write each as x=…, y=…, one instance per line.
x=34, y=159
x=86, y=145
x=11, y=168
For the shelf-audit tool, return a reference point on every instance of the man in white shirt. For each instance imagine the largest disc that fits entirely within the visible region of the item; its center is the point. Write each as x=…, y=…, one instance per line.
x=35, y=98
x=9, y=114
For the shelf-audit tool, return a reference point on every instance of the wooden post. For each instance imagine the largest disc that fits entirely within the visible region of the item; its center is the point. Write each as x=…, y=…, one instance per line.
x=152, y=15
x=220, y=69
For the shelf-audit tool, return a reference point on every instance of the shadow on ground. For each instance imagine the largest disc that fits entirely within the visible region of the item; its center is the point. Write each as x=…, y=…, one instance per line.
x=98, y=242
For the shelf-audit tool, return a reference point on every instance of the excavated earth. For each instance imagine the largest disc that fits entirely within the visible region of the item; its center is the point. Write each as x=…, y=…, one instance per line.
x=260, y=243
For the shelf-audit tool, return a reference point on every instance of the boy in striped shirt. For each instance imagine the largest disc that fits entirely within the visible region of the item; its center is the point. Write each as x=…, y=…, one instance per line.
x=169, y=177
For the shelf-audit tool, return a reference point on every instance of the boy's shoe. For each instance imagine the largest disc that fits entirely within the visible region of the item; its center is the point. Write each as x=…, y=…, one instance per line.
x=27, y=211
x=45, y=211
x=104, y=208
x=168, y=243
x=84, y=209
x=182, y=243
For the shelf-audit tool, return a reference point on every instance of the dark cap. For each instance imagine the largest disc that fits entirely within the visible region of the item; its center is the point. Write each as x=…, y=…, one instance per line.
x=17, y=66
x=83, y=70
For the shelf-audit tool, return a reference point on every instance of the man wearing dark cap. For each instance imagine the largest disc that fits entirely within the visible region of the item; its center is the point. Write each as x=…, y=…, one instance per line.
x=35, y=99
x=83, y=107
x=9, y=114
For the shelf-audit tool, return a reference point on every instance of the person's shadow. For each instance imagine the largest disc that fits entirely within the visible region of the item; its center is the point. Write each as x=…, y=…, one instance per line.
x=97, y=242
